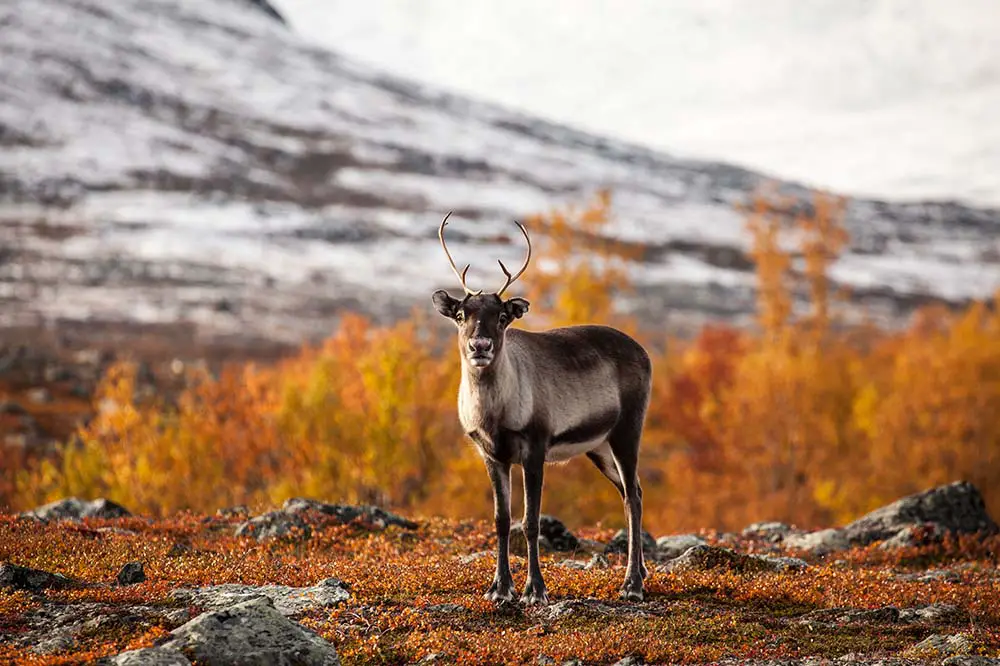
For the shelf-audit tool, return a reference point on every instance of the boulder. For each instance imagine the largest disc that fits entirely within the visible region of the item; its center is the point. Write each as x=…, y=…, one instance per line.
x=619, y=543
x=553, y=536
x=704, y=558
x=250, y=633
x=275, y=525
x=768, y=531
x=347, y=513
x=939, y=644
x=150, y=657
x=669, y=547
x=74, y=508
x=957, y=508
x=286, y=600
x=519, y=543
x=24, y=578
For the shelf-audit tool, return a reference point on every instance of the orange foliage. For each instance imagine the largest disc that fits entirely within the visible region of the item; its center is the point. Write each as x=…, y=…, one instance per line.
x=413, y=594
x=806, y=420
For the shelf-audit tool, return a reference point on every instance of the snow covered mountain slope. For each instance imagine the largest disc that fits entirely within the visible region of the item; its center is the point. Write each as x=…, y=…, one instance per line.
x=884, y=98
x=196, y=160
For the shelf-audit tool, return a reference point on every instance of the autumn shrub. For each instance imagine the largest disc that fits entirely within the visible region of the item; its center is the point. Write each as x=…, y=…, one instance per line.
x=805, y=417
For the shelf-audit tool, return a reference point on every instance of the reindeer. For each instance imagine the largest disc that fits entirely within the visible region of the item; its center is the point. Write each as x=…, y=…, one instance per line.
x=530, y=398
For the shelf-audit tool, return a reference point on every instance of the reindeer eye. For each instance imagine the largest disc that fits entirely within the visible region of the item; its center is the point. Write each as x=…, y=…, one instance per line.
x=459, y=316
x=503, y=319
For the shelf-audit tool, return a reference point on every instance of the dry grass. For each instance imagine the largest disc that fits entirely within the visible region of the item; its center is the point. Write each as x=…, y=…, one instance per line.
x=394, y=576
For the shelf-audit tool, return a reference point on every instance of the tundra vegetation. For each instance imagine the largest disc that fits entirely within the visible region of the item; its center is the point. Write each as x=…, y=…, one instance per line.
x=804, y=418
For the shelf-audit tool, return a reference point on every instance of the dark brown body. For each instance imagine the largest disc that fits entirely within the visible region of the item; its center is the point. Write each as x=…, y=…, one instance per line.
x=544, y=397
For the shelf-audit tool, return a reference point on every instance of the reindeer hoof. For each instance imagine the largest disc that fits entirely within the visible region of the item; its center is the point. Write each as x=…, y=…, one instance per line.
x=500, y=592
x=534, y=594
x=632, y=590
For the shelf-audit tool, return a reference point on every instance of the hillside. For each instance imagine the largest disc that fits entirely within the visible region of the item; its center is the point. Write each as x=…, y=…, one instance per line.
x=198, y=162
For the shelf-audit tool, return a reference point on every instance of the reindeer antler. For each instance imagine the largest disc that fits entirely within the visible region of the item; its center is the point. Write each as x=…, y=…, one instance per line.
x=511, y=280
x=444, y=246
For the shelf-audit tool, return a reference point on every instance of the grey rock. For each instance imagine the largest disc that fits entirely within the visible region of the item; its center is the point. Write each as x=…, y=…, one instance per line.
x=704, y=558
x=619, y=543
x=25, y=578
x=970, y=660
x=933, y=614
x=285, y=599
x=346, y=513
x=769, y=531
x=821, y=542
x=669, y=547
x=835, y=616
x=559, y=536
x=131, y=574
x=73, y=508
x=251, y=633
x=931, y=576
x=275, y=525
x=472, y=557
x=519, y=543
x=957, y=507
x=150, y=657
x=573, y=564
x=954, y=644
x=240, y=511
x=629, y=661
x=597, y=561
x=553, y=536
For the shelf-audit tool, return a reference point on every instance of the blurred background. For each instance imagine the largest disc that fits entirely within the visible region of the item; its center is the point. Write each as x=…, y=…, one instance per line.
x=219, y=237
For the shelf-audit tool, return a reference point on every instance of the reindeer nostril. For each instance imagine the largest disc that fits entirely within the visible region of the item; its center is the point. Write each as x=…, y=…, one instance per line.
x=480, y=345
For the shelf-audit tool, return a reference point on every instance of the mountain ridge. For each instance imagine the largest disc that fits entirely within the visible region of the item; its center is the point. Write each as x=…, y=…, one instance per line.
x=174, y=161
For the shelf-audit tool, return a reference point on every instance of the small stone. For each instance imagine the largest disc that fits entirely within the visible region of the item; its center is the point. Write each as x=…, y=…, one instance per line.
x=597, y=561
x=472, y=557
x=822, y=542
x=275, y=525
x=131, y=574
x=39, y=395
x=769, y=531
x=619, y=543
x=519, y=543
x=970, y=660
x=24, y=578
x=669, y=547
x=240, y=511
x=629, y=661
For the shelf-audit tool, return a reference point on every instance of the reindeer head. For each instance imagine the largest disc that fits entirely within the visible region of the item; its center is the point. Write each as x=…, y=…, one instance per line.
x=482, y=319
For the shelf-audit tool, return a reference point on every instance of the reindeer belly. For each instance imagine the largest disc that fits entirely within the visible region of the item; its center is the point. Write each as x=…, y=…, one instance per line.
x=585, y=434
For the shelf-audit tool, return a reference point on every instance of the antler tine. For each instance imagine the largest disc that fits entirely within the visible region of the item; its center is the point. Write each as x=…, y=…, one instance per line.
x=512, y=279
x=461, y=275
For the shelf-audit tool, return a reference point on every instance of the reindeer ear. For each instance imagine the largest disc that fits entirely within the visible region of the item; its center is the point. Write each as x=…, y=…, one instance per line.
x=516, y=307
x=444, y=303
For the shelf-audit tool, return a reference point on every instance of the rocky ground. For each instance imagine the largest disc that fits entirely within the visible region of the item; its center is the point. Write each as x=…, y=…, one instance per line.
x=317, y=583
